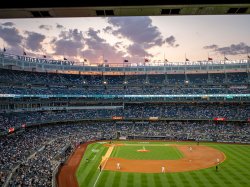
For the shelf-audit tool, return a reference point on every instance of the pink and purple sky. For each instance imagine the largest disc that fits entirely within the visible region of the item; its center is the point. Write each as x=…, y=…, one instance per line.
x=132, y=38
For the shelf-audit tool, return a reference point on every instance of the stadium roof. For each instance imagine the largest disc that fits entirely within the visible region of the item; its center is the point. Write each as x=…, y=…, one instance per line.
x=96, y=8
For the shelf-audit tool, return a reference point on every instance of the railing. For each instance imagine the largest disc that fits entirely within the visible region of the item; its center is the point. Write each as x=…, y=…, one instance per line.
x=37, y=64
x=13, y=171
x=123, y=96
x=43, y=108
x=6, y=184
x=54, y=174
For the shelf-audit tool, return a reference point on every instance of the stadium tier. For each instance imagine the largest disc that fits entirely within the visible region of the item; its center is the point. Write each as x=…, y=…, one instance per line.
x=45, y=114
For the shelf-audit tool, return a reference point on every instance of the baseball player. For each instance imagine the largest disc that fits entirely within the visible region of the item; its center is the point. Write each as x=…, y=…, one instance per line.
x=163, y=169
x=190, y=148
x=118, y=166
x=218, y=160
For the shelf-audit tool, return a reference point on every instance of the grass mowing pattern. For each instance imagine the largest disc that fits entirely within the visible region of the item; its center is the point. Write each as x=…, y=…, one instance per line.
x=234, y=172
x=156, y=153
x=87, y=172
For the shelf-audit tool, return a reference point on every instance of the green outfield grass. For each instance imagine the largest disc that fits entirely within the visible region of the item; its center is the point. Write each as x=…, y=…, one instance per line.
x=235, y=171
x=155, y=152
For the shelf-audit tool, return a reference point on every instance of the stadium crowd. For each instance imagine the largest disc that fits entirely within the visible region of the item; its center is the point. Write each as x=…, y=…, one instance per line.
x=70, y=79
x=47, y=144
x=130, y=111
x=153, y=90
x=38, y=150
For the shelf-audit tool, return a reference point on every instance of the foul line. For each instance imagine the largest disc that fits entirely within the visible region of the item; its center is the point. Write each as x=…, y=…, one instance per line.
x=106, y=155
x=94, y=157
x=100, y=173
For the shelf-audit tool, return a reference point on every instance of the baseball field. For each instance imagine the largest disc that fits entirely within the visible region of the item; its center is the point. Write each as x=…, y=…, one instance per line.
x=158, y=164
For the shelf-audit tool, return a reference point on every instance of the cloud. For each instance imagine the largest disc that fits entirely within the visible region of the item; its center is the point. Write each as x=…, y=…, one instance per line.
x=67, y=47
x=213, y=46
x=93, y=34
x=118, y=45
x=97, y=47
x=53, y=40
x=58, y=26
x=34, y=41
x=8, y=24
x=11, y=36
x=171, y=41
x=137, y=29
x=137, y=51
x=45, y=27
x=233, y=49
x=108, y=29
x=69, y=42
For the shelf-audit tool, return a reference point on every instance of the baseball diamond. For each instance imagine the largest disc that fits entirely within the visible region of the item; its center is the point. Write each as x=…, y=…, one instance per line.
x=182, y=167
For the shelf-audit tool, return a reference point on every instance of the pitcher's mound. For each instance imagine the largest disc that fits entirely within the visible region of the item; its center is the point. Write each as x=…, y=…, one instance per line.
x=143, y=150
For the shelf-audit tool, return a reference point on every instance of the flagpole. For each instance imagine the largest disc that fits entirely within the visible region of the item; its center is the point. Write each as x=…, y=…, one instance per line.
x=248, y=66
x=185, y=67
x=123, y=64
x=103, y=65
x=63, y=53
x=164, y=59
x=144, y=55
x=166, y=76
x=23, y=50
x=83, y=59
x=103, y=61
x=45, y=54
x=164, y=51
x=124, y=74
x=4, y=50
x=224, y=58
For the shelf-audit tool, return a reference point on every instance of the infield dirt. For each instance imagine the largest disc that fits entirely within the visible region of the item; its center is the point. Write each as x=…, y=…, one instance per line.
x=199, y=158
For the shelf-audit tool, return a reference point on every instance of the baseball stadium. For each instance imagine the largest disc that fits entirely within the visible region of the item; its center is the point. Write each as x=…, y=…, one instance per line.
x=74, y=114
x=84, y=133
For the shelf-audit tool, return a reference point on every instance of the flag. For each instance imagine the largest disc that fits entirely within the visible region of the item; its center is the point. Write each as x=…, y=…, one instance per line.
x=65, y=58
x=24, y=53
x=4, y=49
x=44, y=56
x=146, y=60
x=187, y=59
x=225, y=58
x=209, y=58
x=125, y=60
x=11, y=129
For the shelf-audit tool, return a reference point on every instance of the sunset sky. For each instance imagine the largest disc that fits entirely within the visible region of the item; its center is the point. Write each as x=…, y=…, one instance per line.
x=132, y=38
